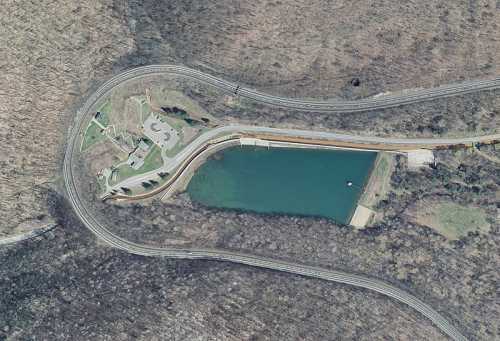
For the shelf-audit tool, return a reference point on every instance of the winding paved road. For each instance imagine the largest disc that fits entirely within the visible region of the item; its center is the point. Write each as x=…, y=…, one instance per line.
x=336, y=106
x=106, y=235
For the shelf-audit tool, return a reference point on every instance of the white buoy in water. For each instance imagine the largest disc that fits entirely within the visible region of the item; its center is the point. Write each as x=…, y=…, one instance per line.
x=349, y=183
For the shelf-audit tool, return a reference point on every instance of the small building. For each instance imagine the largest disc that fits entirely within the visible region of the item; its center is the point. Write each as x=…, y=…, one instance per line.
x=161, y=133
x=136, y=158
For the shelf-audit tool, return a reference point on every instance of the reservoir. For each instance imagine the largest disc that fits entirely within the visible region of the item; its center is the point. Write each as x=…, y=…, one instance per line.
x=303, y=182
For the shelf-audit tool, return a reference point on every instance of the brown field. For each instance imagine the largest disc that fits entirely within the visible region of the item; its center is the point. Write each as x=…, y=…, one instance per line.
x=126, y=116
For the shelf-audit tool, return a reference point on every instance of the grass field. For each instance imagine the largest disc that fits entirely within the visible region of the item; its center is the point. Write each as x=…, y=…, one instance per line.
x=177, y=124
x=105, y=110
x=92, y=136
x=453, y=220
x=152, y=161
x=456, y=221
x=145, y=110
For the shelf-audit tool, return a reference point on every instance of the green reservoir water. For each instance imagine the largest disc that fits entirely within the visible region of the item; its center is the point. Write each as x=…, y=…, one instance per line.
x=277, y=180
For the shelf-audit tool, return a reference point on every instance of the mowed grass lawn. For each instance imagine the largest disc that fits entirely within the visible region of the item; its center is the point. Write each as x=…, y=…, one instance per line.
x=152, y=161
x=105, y=110
x=92, y=136
x=93, y=132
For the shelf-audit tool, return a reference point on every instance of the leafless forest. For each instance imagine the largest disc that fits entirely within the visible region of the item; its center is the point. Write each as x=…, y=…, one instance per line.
x=67, y=286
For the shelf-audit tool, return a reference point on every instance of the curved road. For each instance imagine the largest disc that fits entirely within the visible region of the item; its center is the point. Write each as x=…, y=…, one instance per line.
x=103, y=233
x=335, y=106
